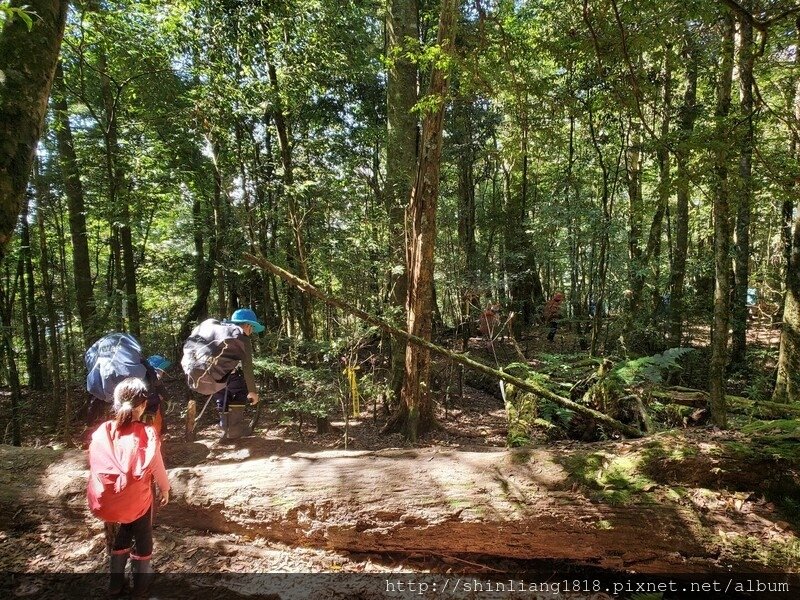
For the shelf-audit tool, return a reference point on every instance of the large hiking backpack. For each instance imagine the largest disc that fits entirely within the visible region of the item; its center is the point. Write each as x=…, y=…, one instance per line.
x=211, y=353
x=119, y=472
x=111, y=359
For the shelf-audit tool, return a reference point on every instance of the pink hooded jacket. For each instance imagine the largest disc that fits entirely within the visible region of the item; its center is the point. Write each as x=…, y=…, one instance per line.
x=121, y=469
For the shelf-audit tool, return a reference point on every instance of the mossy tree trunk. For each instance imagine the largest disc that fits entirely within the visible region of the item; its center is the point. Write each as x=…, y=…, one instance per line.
x=27, y=62
x=415, y=414
x=722, y=263
x=745, y=195
x=401, y=158
x=787, y=384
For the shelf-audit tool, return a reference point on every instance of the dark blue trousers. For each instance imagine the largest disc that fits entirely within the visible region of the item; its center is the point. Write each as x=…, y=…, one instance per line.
x=235, y=392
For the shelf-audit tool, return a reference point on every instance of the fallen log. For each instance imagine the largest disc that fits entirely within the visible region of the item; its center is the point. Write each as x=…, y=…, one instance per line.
x=737, y=404
x=522, y=384
x=531, y=504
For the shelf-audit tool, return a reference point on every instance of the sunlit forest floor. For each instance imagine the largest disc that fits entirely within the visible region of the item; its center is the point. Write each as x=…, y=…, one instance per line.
x=470, y=420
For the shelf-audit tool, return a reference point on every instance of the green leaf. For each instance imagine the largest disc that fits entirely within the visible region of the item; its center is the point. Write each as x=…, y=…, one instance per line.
x=25, y=16
x=650, y=368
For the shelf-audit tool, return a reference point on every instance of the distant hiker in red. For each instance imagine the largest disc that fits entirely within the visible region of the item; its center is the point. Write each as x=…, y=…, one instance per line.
x=124, y=459
x=552, y=313
x=489, y=322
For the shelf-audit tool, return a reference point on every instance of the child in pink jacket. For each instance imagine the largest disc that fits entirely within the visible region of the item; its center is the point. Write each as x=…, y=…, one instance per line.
x=124, y=459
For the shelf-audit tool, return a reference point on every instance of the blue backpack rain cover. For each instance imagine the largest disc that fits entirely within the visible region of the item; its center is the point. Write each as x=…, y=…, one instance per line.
x=111, y=359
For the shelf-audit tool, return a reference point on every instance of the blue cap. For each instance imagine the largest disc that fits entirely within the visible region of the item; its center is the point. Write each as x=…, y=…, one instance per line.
x=159, y=362
x=247, y=316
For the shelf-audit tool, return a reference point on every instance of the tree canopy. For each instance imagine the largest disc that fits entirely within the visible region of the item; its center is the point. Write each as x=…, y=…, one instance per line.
x=638, y=156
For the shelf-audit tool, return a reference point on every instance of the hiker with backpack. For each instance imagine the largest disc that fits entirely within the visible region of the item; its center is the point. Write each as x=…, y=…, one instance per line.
x=156, y=367
x=124, y=460
x=552, y=315
x=113, y=358
x=218, y=361
x=109, y=360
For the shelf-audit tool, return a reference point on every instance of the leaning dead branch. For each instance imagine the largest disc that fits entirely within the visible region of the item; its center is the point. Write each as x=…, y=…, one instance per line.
x=528, y=386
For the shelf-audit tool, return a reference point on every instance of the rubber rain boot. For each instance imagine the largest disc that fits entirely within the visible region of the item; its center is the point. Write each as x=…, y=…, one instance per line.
x=237, y=425
x=116, y=584
x=142, y=576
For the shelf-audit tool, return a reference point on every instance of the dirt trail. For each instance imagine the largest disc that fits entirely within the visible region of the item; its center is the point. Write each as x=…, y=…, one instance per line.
x=291, y=502
x=36, y=538
x=439, y=502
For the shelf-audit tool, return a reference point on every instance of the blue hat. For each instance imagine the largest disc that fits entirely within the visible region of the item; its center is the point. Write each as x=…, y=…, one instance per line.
x=245, y=315
x=159, y=362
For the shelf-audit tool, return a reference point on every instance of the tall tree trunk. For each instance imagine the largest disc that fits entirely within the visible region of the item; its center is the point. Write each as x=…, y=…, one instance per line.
x=636, y=266
x=23, y=304
x=688, y=115
x=219, y=224
x=115, y=278
x=602, y=261
x=463, y=143
x=13, y=374
x=664, y=187
x=787, y=383
x=415, y=415
x=522, y=270
x=263, y=174
x=401, y=159
x=119, y=199
x=8, y=293
x=722, y=266
x=198, y=229
x=44, y=203
x=68, y=345
x=787, y=209
x=573, y=225
x=28, y=62
x=204, y=269
x=129, y=266
x=298, y=253
x=745, y=196
x=244, y=175
x=466, y=189
x=73, y=188
x=31, y=320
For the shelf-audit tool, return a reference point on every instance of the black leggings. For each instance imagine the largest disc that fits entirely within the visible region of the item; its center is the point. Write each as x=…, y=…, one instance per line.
x=551, y=335
x=140, y=532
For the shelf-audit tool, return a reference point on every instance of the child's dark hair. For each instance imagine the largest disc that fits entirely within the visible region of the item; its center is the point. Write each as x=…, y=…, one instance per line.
x=128, y=394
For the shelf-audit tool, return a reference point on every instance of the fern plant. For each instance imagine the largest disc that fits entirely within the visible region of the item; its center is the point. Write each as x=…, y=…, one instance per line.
x=542, y=411
x=650, y=369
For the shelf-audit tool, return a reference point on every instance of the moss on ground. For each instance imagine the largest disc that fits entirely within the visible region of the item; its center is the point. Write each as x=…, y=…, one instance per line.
x=613, y=479
x=778, y=553
x=777, y=440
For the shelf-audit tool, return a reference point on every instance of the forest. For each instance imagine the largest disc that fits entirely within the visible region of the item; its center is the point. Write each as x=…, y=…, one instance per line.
x=529, y=272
